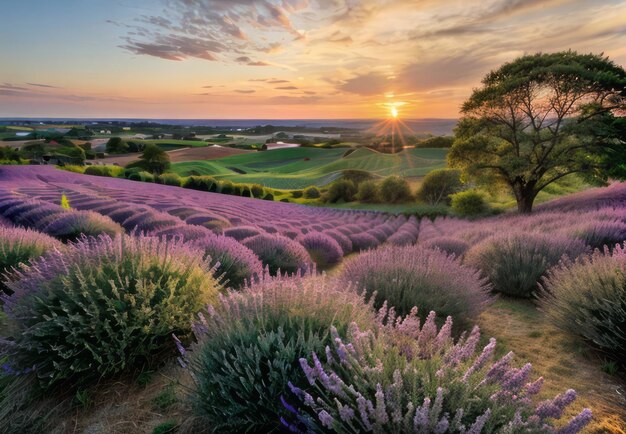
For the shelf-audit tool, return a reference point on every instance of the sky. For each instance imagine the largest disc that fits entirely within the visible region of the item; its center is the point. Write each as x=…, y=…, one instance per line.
x=278, y=59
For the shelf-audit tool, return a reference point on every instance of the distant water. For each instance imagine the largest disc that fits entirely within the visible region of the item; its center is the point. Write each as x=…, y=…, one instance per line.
x=434, y=126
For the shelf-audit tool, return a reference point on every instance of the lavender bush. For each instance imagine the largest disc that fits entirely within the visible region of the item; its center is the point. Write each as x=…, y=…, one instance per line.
x=242, y=232
x=101, y=306
x=363, y=241
x=413, y=378
x=249, y=343
x=587, y=298
x=450, y=245
x=279, y=253
x=70, y=226
x=20, y=246
x=343, y=241
x=413, y=276
x=234, y=261
x=600, y=233
x=514, y=262
x=322, y=248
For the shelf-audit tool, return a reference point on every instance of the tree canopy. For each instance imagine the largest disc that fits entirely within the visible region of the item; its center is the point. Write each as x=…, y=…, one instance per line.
x=542, y=117
x=154, y=159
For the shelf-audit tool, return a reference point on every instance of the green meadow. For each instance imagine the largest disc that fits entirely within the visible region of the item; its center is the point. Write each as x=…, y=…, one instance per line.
x=295, y=168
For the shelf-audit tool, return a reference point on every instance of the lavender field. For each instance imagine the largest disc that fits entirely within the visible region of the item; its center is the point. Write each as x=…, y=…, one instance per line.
x=108, y=280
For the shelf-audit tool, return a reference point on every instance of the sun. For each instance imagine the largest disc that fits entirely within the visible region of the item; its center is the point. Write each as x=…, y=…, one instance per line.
x=394, y=112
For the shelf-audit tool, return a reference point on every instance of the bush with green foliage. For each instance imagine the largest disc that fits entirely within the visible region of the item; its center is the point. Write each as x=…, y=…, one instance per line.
x=20, y=246
x=102, y=306
x=297, y=194
x=395, y=189
x=355, y=175
x=469, y=203
x=115, y=145
x=225, y=186
x=141, y=175
x=202, y=183
x=587, y=298
x=438, y=185
x=110, y=171
x=412, y=276
x=249, y=345
x=342, y=190
x=368, y=192
x=268, y=196
x=153, y=160
x=169, y=179
x=436, y=142
x=257, y=190
x=312, y=192
x=9, y=153
x=515, y=262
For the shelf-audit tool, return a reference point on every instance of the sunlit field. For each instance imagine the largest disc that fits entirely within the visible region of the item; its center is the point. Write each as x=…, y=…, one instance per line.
x=313, y=217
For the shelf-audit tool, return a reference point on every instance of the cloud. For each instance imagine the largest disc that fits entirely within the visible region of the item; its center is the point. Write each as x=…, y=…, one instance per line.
x=245, y=90
x=43, y=85
x=10, y=87
x=203, y=29
x=294, y=100
x=275, y=81
x=286, y=88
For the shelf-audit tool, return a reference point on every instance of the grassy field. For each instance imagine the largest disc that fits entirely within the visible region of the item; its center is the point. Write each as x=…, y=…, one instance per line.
x=294, y=168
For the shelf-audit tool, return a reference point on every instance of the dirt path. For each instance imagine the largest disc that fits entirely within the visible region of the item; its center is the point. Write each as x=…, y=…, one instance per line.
x=564, y=363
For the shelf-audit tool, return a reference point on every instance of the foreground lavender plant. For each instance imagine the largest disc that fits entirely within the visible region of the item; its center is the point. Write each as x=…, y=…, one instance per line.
x=249, y=343
x=587, y=298
x=413, y=378
x=102, y=305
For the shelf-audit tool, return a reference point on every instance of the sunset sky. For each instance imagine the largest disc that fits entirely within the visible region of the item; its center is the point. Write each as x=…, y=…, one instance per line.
x=278, y=59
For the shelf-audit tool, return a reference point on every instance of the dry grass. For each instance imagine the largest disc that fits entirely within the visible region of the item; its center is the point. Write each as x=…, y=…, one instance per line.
x=128, y=407
x=564, y=363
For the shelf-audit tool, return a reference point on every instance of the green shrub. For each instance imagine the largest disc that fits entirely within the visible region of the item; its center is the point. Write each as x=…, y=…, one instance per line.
x=436, y=142
x=202, y=183
x=103, y=305
x=110, y=171
x=250, y=346
x=587, y=298
x=297, y=194
x=469, y=203
x=341, y=190
x=169, y=179
x=257, y=190
x=355, y=175
x=116, y=145
x=312, y=192
x=268, y=196
x=395, y=189
x=225, y=187
x=368, y=192
x=75, y=169
x=438, y=185
x=514, y=262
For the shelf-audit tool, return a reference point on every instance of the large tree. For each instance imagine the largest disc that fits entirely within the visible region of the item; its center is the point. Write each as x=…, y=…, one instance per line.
x=154, y=159
x=543, y=117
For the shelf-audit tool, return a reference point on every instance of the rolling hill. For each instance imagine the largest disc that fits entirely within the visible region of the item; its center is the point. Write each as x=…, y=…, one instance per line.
x=294, y=168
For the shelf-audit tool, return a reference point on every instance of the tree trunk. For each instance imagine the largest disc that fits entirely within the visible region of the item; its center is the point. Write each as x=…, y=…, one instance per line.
x=525, y=197
x=525, y=204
